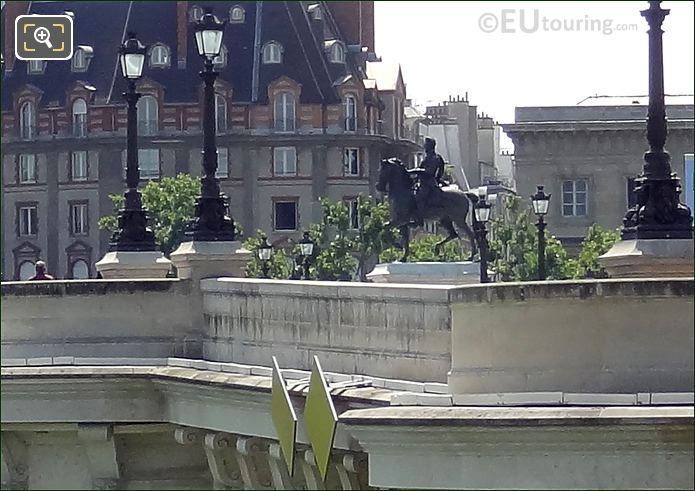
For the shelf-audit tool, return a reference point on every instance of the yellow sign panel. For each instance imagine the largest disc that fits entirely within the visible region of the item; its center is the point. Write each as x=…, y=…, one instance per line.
x=284, y=417
x=320, y=418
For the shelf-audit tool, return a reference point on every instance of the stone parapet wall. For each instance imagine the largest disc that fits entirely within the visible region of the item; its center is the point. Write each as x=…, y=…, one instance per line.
x=398, y=331
x=114, y=318
x=613, y=336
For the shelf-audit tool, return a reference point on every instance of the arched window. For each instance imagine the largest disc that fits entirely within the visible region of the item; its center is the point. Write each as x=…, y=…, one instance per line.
x=26, y=270
x=220, y=113
x=195, y=14
x=272, y=52
x=337, y=53
x=236, y=14
x=159, y=56
x=79, y=61
x=80, y=270
x=284, y=111
x=148, y=116
x=27, y=121
x=220, y=60
x=79, y=118
x=36, y=67
x=350, y=110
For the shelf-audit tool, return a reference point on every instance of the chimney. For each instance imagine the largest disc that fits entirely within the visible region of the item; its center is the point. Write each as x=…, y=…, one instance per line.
x=181, y=33
x=12, y=11
x=355, y=20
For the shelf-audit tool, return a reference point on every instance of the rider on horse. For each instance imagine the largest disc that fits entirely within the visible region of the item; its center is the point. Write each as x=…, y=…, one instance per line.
x=429, y=174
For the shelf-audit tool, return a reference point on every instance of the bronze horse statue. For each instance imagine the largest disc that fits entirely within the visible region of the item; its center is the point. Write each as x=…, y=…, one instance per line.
x=453, y=207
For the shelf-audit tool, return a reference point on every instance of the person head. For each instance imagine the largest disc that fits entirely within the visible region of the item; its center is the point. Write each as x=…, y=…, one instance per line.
x=430, y=143
x=40, y=267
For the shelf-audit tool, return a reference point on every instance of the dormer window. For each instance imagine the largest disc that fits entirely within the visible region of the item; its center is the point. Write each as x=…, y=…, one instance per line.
x=272, y=52
x=159, y=56
x=81, y=58
x=336, y=52
x=36, y=67
x=220, y=60
x=315, y=11
x=195, y=14
x=236, y=14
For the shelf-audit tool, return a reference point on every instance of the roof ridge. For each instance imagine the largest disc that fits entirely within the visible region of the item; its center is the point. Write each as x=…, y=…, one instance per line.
x=256, y=52
x=304, y=51
x=115, y=69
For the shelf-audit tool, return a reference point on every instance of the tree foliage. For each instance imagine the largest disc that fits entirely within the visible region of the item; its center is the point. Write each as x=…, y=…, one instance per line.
x=170, y=203
x=597, y=242
x=279, y=265
x=513, y=246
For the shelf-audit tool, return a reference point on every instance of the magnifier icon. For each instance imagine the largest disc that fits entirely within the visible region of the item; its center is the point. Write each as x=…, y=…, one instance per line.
x=43, y=36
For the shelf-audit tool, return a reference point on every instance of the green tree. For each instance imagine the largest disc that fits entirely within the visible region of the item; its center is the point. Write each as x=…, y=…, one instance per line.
x=335, y=244
x=422, y=250
x=597, y=242
x=170, y=203
x=279, y=266
x=513, y=246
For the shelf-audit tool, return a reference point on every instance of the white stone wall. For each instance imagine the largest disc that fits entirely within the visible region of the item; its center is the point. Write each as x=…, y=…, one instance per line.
x=398, y=331
x=118, y=318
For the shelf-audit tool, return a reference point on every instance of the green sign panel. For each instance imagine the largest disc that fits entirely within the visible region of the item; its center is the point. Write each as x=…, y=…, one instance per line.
x=320, y=418
x=284, y=417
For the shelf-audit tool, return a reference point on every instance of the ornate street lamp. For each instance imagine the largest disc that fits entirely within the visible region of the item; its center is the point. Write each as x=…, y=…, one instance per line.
x=133, y=234
x=265, y=252
x=211, y=222
x=540, y=202
x=658, y=214
x=482, y=216
x=306, y=249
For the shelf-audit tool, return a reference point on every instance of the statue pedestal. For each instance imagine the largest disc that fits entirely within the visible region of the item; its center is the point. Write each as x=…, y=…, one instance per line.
x=435, y=273
x=133, y=265
x=199, y=259
x=649, y=258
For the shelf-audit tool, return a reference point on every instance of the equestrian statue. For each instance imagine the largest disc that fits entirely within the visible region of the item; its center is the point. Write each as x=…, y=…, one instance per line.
x=420, y=194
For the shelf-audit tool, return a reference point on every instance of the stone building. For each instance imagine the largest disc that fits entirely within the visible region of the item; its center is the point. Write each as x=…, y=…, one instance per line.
x=304, y=110
x=588, y=155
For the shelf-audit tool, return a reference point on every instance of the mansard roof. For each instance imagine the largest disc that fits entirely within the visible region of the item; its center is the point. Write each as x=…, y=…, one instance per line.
x=102, y=25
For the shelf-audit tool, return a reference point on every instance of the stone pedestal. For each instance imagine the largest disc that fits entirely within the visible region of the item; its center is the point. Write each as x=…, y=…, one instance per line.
x=197, y=259
x=133, y=265
x=649, y=258
x=434, y=273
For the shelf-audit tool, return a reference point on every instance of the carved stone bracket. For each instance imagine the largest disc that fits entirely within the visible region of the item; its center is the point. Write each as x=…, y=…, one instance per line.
x=251, y=454
x=219, y=450
x=187, y=436
x=353, y=471
x=14, y=459
x=100, y=448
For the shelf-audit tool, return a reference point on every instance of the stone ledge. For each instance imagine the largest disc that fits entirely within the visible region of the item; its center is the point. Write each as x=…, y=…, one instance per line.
x=59, y=288
x=572, y=289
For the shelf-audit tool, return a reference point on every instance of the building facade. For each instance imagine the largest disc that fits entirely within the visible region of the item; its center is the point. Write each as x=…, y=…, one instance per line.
x=587, y=157
x=298, y=118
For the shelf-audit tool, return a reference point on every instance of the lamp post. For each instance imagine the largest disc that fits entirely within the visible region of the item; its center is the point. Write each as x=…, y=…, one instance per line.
x=540, y=202
x=658, y=214
x=482, y=215
x=133, y=234
x=265, y=252
x=306, y=249
x=211, y=222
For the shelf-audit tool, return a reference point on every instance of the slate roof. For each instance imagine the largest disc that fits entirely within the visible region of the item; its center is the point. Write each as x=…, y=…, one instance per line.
x=103, y=25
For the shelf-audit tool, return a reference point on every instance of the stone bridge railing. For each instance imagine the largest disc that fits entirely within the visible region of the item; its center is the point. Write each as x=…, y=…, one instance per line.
x=584, y=336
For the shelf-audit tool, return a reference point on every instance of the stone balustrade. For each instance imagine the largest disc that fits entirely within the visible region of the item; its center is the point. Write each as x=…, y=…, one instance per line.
x=108, y=318
x=615, y=336
x=397, y=331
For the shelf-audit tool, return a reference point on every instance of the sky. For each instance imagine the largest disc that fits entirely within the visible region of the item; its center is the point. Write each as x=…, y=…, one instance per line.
x=507, y=54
